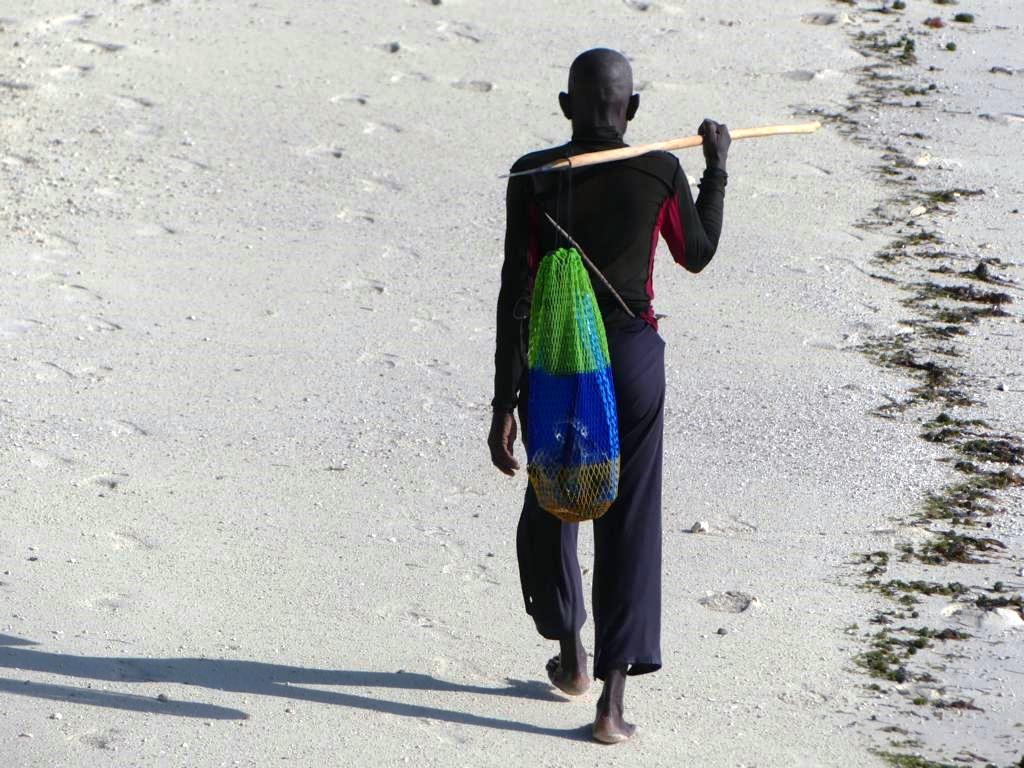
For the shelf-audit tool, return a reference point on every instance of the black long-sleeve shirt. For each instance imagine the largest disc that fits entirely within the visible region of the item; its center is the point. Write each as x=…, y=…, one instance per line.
x=615, y=211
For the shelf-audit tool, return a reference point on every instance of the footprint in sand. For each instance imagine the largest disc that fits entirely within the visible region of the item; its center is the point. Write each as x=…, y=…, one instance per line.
x=46, y=459
x=1005, y=118
x=124, y=428
x=15, y=85
x=134, y=102
x=440, y=367
x=75, y=293
x=189, y=163
x=55, y=240
x=102, y=740
x=385, y=359
x=155, y=230
x=459, y=495
x=127, y=539
x=98, y=324
x=49, y=371
x=70, y=71
x=144, y=131
x=67, y=20
x=483, y=573
x=476, y=86
x=72, y=292
x=728, y=602
x=357, y=214
x=354, y=98
x=109, y=482
x=418, y=617
x=378, y=183
x=100, y=45
x=800, y=75
x=364, y=285
x=419, y=324
x=14, y=159
x=807, y=75
x=739, y=526
x=324, y=150
x=422, y=77
x=459, y=30
x=12, y=327
x=57, y=256
x=371, y=128
x=107, y=603
x=107, y=192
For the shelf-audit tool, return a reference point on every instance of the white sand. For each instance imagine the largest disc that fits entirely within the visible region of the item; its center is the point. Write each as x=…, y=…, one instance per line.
x=246, y=317
x=964, y=137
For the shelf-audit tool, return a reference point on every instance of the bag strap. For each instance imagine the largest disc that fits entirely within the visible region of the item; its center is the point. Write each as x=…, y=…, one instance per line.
x=591, y=265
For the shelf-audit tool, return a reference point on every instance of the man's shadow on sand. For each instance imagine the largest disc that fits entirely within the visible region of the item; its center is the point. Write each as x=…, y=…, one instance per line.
x=251, y=677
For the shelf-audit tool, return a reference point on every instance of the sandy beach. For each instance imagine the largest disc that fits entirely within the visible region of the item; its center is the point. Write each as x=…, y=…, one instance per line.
x=247, y=293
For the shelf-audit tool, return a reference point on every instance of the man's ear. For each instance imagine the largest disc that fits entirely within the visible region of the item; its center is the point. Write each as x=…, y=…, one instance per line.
x=634, y=105
x=566, y=104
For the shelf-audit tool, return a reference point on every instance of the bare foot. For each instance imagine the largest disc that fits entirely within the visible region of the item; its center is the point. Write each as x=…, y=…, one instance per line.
x=612, y=729
x=571, y=682
x=609, y=725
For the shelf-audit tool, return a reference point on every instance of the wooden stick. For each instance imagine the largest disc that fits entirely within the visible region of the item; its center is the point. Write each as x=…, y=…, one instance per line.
x=610, y=155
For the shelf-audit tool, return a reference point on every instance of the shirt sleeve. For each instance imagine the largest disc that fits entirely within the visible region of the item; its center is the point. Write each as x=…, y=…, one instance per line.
x=508, y=357
x=690, y=229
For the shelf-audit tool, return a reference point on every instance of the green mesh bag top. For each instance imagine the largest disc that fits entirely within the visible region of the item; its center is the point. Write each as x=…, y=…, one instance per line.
x=572, y=432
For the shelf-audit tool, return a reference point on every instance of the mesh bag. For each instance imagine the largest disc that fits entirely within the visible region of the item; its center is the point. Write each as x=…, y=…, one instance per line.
x=572, y=432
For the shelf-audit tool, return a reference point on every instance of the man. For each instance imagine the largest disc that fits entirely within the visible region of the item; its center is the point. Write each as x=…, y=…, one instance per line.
x=615, y=212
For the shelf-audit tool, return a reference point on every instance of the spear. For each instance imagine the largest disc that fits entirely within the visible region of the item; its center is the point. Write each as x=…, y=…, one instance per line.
x=610, y=155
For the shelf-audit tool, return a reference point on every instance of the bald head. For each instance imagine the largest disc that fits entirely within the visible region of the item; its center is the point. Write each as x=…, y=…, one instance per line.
x=603, y=71
x=600, y=94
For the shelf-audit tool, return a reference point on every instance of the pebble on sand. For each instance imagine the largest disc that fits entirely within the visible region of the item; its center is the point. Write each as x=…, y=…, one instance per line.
x=722, y=631
x=701, y=526
x=820, y=19
x=728, y=601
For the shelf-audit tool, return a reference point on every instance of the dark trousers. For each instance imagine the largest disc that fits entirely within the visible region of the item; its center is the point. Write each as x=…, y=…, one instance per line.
x=627, y=538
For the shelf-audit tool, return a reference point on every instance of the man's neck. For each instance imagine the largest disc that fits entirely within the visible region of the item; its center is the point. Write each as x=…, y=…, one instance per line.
x=596, y=133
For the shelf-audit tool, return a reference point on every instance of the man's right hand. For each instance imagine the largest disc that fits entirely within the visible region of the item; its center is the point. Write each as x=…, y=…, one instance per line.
x=716, y=143
x=501, y=439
